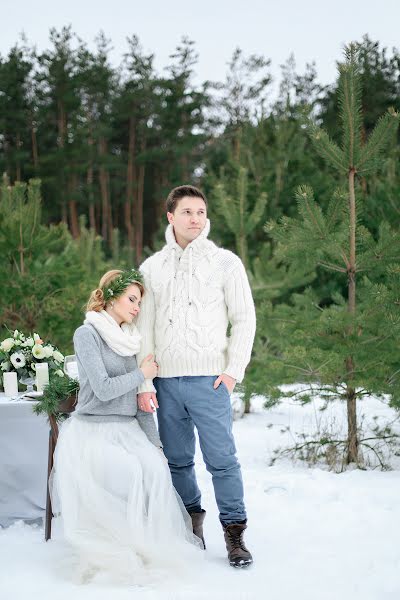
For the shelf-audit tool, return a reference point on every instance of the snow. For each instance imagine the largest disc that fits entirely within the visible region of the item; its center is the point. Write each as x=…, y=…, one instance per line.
x=314, y=534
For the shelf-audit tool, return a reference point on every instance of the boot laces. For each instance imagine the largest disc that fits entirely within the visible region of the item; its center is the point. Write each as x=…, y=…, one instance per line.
x=236, y=539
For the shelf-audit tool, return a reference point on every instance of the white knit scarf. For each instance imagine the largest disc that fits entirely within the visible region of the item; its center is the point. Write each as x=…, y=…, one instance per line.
x=124, y=340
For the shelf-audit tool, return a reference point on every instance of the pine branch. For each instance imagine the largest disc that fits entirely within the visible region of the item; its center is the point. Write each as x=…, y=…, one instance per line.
x=350, y=104
x=335, y=206
x=379, y=138
x=257, y=212
x=331, y=266
x=225, y=207
x=310, y=209
x=328, y=149
x=58, y=390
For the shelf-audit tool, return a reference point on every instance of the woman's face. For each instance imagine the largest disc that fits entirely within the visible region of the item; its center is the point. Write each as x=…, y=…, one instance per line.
x=127, y=306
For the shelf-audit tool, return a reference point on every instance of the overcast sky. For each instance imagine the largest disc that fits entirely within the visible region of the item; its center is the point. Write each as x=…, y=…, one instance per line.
x=312, y=29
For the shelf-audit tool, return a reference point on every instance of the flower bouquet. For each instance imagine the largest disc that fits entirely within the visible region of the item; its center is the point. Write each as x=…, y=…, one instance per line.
x=21, y=354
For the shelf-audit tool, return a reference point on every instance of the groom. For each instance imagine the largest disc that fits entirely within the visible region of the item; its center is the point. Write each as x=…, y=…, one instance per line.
x=193, y=292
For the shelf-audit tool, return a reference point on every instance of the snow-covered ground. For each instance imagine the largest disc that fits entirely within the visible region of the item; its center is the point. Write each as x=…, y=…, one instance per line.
x=314, y=534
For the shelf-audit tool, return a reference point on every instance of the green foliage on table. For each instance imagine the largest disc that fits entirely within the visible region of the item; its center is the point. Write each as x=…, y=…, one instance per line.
x=58, y=390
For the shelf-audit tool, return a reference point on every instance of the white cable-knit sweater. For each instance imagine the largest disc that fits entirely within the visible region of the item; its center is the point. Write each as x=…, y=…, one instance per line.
x=191, y=296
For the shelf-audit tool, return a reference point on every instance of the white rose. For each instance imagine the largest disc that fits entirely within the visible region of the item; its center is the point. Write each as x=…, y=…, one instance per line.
x=7, y=344
x=18, y=360
x=29, y=342
x=5, y=365
x=48, y=351
x=58, y=357
x=38, y=351
x=59, y=373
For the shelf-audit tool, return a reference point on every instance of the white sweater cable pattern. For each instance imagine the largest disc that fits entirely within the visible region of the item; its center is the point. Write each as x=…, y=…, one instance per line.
x=191, y=297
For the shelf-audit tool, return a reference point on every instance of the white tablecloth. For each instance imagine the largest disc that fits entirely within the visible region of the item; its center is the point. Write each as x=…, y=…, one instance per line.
x=24, y=440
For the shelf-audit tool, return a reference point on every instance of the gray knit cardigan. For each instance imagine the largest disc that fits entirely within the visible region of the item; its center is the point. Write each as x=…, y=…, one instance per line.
x=108, y=384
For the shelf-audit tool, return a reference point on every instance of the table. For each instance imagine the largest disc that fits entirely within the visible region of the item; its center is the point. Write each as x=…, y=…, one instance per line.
x=24, y=440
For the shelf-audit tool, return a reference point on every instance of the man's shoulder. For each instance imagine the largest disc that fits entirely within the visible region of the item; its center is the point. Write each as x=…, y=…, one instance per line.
x=152, y=262
x=227, y=260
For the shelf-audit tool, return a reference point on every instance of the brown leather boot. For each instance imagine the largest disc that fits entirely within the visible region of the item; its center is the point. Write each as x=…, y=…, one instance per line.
x=238, y=554
x=197, y=524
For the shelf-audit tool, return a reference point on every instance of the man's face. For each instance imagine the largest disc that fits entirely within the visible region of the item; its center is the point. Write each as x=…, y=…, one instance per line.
x=189, y=219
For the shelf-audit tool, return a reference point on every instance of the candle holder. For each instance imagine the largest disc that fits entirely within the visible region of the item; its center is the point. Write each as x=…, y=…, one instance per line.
x=29, y=382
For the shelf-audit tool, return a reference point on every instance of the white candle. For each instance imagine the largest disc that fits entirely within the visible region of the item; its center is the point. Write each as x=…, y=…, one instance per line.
x=42, y=376
x=10, y=382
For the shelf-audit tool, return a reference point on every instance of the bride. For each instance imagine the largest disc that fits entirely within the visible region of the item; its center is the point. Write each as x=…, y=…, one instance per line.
x=111, y=480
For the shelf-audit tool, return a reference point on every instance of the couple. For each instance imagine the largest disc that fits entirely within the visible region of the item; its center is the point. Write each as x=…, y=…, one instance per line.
x=118, y=504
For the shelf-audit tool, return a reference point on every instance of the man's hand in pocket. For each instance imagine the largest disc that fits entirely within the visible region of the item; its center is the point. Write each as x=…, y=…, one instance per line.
x=230, y=382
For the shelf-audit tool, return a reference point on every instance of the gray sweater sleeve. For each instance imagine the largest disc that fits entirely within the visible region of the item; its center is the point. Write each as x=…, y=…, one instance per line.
x=146, y=422
x=105, y=387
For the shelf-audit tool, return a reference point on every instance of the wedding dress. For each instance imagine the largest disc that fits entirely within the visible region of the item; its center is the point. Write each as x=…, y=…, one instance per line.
x=118, y=506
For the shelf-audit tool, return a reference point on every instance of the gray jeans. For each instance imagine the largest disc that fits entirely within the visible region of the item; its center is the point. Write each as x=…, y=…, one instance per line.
x=188, y=402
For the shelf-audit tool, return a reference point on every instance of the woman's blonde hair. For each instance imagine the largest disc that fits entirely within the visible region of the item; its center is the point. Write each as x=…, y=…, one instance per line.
x=97, y=301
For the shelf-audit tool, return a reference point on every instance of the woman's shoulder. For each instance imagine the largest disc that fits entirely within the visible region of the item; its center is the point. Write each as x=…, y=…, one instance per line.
x=85, y=333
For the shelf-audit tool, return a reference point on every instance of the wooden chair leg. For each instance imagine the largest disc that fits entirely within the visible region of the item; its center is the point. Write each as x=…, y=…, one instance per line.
x=49, y=510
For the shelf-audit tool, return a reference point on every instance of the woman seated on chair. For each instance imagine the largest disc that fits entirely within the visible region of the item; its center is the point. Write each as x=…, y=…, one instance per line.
x=111, y=479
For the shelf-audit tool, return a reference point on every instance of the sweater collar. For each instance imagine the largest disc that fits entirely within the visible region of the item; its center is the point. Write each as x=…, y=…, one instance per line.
x=197, y=247
x=193, y=252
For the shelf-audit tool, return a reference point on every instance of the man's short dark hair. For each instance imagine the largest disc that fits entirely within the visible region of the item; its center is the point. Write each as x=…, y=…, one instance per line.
x=180, y=192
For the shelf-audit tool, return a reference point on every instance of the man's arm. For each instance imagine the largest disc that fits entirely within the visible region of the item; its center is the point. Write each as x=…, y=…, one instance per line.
x=242, y=316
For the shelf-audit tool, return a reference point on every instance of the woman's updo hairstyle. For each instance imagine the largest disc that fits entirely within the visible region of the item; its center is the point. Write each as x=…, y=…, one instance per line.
x=96, y=301
x=107, y=290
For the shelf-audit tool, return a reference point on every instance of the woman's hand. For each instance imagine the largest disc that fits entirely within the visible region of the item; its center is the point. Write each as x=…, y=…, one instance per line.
x=149, y=367
x=147, y=401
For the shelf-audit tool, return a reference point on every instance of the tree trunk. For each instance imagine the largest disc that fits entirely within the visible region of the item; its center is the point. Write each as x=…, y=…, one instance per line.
x=130, y=182
x=73, y=213
x=352, y=437
x=139, y=210
x=352, y=434
x=241, y=239
x=6, y=146
x=92, y=216
x=17, y=161
x=110, y=216
x=35, y=154
x=236, y=143
x=21, y=252
x=184, y=155
x=62, y=128
x=89, y=183
x=105, y=213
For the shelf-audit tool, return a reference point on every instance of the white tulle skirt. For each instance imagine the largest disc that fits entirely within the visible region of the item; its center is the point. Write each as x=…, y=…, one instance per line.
x=117, y=504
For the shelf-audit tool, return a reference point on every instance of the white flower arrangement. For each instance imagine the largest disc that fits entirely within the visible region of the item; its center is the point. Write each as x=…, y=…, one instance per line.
x=21, y=354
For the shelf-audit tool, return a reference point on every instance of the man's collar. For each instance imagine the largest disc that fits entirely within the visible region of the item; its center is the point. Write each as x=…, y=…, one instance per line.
x=171, y=241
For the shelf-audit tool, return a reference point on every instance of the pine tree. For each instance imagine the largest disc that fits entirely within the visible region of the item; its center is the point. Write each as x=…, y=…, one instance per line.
x=135, y=109
x=96, y=85
x=233, y=206
x=58, y=121
x=343, y=344
x=15, y=113
x=46, y=275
